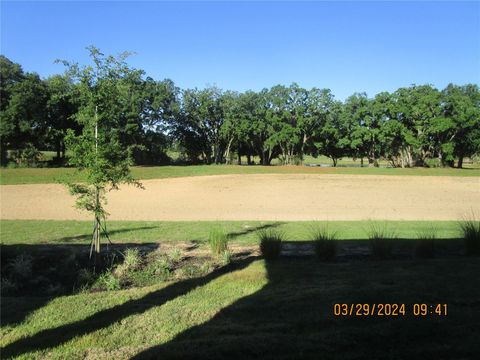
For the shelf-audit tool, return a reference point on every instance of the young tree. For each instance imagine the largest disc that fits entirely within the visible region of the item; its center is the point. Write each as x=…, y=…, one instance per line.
x=98, y=151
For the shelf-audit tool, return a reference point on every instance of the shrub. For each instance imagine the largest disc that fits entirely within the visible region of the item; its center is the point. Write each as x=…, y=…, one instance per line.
x=218, y=241
x=21, y=266
x=325, y=243
x=270, y=243
x=470, y=228
x=29, y=156
x=381, y=241
x=425, y=244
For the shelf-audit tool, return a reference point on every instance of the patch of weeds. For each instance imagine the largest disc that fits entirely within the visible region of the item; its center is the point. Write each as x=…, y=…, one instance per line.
x=21, y=266
x=131, y=262
x=107, y=281
x=470, y=230
x=218, y=241
x=270, y=243
x=175, y=255
x=188, y=271
x=226, y=257
x=325, y=242
x=7, y=286
x=381, y=240
x=86, y=278
x=425, y=243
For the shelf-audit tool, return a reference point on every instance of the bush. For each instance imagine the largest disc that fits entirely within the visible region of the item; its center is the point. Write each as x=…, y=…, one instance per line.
x=381, y=241
x=470, y=229
x=21, y=266
x=218, y=242
x=325, y=243
x=425, y=244
x=270, y=243
x=29, y=156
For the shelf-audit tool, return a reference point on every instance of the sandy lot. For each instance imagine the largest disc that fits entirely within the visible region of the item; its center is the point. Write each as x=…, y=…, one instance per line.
x=262, y=197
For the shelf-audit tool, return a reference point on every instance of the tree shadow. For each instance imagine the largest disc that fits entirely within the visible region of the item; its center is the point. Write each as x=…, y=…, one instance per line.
x=235, y=234
x=85, y=237
x=57, y=336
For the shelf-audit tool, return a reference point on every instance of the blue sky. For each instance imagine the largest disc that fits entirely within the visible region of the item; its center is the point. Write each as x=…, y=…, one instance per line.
x=345, y=46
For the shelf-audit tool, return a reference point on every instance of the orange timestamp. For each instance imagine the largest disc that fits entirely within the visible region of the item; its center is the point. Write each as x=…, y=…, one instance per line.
x=390, y=309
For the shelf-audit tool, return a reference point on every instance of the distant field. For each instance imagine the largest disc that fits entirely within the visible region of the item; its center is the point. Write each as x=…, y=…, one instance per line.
x=52, y=175
x=79, y=232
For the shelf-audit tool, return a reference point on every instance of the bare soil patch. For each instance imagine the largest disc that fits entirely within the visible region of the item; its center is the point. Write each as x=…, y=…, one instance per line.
x=261, y=197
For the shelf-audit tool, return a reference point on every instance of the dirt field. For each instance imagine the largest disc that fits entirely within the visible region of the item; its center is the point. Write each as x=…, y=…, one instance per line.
x=262, y=197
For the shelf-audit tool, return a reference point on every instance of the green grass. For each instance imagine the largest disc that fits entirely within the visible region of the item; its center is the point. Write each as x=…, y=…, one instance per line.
x=52, y=175
x=270, y=310
x=74, y=232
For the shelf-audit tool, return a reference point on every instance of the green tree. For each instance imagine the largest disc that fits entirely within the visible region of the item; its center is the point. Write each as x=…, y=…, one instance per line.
x=61, y=110
x=332, y=139
x=462, y=114
x=98, y=151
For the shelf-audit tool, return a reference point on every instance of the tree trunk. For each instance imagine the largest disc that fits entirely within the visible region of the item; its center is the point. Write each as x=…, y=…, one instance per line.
x=460, y=161
x=58, y=147
x=249, y=159
x=334, y=161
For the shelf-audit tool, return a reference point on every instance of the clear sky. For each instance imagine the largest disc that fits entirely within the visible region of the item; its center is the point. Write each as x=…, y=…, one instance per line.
x=345, y=46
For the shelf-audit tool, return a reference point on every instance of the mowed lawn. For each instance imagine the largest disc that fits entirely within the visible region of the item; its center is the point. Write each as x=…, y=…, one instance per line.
x=52, y=175
x=39, y=232
x=255, y=309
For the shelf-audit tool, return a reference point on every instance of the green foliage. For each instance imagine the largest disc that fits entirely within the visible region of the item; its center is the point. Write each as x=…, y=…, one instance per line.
x=470, y=229
x=425, y=243
x=381, y=240
x=107, y=281
x=227, y=257
x=325, y=242
x=21, y=266
x=218, y=241
x=131, y=261
x=270, y=243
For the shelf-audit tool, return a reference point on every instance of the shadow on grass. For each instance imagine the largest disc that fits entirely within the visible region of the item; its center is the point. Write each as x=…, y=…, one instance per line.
x=57, y=336
x=50, y=267
x=292, y=316
x=87, y=237
x=235, y=234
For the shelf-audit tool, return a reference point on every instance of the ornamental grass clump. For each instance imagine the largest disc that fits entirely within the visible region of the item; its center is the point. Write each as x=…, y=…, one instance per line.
x=218, y=242
x=270, y=243
x=325, y=242
x=381, y=241
x=425, y=244
x=470, y=230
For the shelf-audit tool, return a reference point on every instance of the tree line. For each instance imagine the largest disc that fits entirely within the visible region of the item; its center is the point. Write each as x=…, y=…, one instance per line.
x=412, y=126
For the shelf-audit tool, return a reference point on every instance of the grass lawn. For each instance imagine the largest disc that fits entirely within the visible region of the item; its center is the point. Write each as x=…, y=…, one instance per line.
x=52, y=175
x=72, y=232
x=256, y=309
